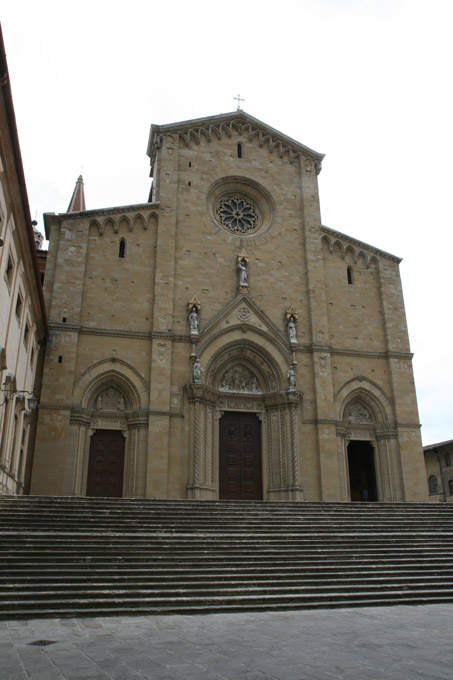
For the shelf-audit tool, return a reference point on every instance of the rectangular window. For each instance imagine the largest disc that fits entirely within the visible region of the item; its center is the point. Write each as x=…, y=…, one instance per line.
x=9, y=272
x=26, y=334
x=19, y=305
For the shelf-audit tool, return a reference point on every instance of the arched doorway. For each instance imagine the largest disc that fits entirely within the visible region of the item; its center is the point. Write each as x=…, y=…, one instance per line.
x=240, y=476
x=244, y=395
x=107, y=442
x=362, y=471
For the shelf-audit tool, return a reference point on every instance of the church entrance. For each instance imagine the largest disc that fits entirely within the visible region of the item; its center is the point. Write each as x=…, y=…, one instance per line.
x=362, y=472
x=106, y=464
x=240, y=457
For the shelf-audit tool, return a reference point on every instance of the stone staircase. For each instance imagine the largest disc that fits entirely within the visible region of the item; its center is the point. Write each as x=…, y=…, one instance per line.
x=63, y=556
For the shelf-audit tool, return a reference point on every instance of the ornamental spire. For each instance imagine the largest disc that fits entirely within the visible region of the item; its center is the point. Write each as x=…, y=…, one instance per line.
x=77, y=202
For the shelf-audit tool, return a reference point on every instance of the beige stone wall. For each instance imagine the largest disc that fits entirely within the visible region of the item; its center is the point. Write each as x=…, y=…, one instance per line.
x=126, y=325
x=439, y=465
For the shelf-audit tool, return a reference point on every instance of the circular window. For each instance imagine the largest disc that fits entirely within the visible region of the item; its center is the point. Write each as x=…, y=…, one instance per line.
x=237, y=214
x=240, y=206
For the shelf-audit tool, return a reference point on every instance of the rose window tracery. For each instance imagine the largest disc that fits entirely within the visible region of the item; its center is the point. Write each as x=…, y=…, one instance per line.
x=237, y=214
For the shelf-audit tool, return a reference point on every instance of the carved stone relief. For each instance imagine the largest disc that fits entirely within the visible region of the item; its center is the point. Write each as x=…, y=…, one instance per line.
x=110, y=400
x=243, y=314
x=239, y=379
x=358, y=413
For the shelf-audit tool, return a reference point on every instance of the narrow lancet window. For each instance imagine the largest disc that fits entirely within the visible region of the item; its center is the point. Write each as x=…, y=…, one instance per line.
x=239, y=150
x=350, y=280
x=122, y=249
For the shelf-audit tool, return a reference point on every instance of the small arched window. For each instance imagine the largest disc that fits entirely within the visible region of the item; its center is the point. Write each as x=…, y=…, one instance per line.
x=239, y=150
x=349, y=274
x=448, y=459
x=122, y=248
x=450, y=487
x=433, y=484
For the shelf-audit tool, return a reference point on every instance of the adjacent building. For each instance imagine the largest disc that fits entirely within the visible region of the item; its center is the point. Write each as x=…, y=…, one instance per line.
x=439, y=471
x=22, y=314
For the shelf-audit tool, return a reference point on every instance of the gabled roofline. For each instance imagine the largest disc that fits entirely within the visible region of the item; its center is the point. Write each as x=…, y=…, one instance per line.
x=55, y=218
x=215, y=125
x=360, y=244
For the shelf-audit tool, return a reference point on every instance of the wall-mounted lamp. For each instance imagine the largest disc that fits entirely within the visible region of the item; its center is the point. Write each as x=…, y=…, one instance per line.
x=32, y=402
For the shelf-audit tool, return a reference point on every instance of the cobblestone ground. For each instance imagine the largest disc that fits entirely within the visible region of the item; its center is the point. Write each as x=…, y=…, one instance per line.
x=397, y=643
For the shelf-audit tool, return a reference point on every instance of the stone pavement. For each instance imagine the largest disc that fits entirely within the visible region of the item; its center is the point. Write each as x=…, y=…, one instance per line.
x=374, y=643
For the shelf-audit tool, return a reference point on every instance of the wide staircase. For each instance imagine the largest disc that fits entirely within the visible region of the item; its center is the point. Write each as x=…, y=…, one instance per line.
x=86, y=556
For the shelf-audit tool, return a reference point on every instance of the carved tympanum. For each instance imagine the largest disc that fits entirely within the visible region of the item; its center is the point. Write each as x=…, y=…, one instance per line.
x=239, y=379
x=110, y=400
x=358, y=413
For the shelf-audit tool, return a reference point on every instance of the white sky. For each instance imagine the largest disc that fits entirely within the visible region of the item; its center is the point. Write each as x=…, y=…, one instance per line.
x=368, y=82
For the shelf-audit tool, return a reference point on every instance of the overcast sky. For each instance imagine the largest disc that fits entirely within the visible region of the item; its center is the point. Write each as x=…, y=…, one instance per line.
x=367, y=82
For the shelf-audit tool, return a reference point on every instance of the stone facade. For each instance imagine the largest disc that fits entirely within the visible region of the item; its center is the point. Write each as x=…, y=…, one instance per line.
x=224, y=294
x=22, y=313
x=439, y=471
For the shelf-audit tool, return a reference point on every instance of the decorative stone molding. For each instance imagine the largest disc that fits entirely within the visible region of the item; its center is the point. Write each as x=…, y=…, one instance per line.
x=239, y=378
x=357, y=413
x=241, y=209
x=239, y=122
x=110, y=400
x=335, y=239
x=257, y=320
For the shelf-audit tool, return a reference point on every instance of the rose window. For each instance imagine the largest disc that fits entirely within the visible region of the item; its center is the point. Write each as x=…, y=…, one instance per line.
x=237, y=215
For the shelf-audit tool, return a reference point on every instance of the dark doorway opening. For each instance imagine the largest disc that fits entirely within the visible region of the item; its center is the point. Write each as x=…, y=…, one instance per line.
x=362, y=471
x=240, y=457
x=106, y=464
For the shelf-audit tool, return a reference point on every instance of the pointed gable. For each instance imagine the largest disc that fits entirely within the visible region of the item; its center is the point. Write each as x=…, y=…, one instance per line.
x=215, y=127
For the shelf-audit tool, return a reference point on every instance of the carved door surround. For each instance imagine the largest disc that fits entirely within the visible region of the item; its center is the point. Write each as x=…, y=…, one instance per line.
x=243, y=380
x=364, y=420
x=110, y=396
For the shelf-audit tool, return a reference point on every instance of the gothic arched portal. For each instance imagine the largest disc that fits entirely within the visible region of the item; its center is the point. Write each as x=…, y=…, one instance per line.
x=244, y=435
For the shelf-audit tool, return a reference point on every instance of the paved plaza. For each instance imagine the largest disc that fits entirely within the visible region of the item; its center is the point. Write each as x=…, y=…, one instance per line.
x=397, y=643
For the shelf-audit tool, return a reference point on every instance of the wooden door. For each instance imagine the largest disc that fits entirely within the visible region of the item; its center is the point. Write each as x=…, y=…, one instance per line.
x=106, y=464
x=240, y=457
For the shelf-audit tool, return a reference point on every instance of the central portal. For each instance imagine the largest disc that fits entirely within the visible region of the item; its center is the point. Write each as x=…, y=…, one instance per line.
x=240, y=457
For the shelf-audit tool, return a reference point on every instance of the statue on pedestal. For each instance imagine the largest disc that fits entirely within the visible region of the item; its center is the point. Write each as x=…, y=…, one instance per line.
x=196, y=371
x=291, y=375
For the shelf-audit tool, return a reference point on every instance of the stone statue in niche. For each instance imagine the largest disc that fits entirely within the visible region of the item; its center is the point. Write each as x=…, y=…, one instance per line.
x=196, y=371
x=291, y=375
x=358, y=413
x=194, y=321
x=243, y=272
x=110, y=400
x=292, y=329
x=239, y=379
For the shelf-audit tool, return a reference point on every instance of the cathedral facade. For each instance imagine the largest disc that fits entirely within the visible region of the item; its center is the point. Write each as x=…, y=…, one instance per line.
x=219, y=342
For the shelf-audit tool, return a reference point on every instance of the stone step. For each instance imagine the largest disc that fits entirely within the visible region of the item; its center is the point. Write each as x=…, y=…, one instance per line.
x=222, y=582
x=77, y=556
x=169, y=572
x=212, y=603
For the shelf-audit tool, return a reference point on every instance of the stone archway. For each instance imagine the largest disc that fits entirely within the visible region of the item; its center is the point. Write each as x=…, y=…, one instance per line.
x=367, y=457
x=108, y=434
x=242, y=378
